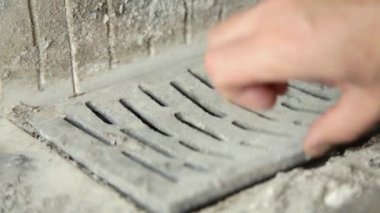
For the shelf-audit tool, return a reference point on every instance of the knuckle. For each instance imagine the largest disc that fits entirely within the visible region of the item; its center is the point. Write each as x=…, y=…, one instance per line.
x=213, y=34
x=211, y=62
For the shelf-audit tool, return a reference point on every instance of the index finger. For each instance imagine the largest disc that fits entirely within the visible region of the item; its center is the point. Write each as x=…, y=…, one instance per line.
x=261, y=59
x=236, y=27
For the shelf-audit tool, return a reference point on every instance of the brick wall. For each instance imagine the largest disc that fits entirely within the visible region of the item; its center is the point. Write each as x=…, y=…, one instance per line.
x=45, y=41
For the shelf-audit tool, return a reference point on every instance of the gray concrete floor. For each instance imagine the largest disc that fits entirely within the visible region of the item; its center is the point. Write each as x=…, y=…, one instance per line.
x=33, y=178
x=346, y=183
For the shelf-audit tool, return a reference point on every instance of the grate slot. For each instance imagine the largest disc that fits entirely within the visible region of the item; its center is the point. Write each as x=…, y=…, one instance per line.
x=304, y=91
x=196, y=167
x=191, y=147
x=249, y=128
x=150, y=167
x=89, y=130
x=254, y=146
x=135, y=112
x=152, y=96
x=200, y=78
x=100, y=113
x=149, y=144
x=257, y=113
x=196, y=101
x=197, y=149
x=203, y=130
x=298, y=109
x=162, y=151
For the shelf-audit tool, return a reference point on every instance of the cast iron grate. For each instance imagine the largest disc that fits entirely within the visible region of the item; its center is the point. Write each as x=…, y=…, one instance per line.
x=170, y=143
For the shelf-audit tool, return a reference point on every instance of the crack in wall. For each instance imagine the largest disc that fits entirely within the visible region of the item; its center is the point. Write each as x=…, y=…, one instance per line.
x=97, y=39
x=222, y=11
x=36, y=39
x=151, y=40
x=151, y=49
x=188, y=15
x=110, y=34
x=73, y=50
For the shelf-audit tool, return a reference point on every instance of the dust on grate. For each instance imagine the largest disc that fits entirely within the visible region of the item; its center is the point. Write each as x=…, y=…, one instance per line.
x=170, y=143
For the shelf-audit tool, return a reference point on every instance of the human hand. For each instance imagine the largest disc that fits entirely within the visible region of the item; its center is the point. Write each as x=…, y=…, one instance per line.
x=251, y=57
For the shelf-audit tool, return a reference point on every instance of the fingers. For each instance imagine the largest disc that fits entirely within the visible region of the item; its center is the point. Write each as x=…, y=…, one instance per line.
x=251, y=56
x=234, y=28
x=269, y=59
x=235, y=64
x=354, y=114
x=257, y=97
x=281, y=88
x=250, y=61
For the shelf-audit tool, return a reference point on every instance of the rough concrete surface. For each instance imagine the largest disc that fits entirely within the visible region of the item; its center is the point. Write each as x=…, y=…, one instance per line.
x=304, y=179
x=45, y=42
x=170, y=142
x=33, y=178
x=46, y=47
x=18, y=55
x=52, y=41
x=346, y=184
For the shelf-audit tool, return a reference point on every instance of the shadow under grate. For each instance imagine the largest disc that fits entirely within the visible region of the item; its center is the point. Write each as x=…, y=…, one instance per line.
x=172, y=144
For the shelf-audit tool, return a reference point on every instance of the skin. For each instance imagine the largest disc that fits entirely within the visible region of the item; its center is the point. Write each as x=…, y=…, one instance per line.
x=252, y=55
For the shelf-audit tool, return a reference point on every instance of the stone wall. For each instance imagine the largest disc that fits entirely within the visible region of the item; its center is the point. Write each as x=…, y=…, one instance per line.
x=46, y=41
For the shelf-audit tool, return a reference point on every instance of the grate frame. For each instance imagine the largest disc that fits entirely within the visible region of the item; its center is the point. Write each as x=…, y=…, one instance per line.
x=171, y=143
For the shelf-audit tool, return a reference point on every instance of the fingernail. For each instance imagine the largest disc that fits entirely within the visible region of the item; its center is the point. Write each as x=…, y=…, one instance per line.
x=241, y=99
x=253, y=99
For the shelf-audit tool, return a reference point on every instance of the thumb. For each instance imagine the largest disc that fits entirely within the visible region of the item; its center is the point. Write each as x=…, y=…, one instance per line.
x=355, y=113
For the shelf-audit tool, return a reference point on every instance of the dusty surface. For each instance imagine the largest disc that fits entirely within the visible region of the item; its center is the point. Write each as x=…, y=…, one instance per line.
x=345, y=183
x=21, y=90
x=348, y=183
x=35, y=179
x=193, y=143
x=45, y=42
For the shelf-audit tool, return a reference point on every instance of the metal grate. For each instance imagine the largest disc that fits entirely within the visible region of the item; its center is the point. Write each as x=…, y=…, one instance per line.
x=170, y=143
